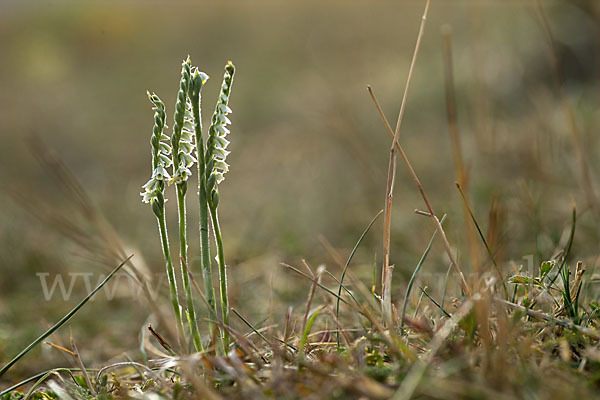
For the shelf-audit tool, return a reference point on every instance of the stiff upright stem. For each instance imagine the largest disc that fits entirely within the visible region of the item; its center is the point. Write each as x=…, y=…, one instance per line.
x=204, y=232
x=191, y=311
x=222, y=276
x=162, y=227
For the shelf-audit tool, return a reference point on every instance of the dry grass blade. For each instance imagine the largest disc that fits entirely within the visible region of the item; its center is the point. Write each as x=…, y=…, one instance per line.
x=39, y=377
x=311, y=294
x=80, y=364
x=202, y=390
x=414, y=376
x=461, y=278
x=59, y=347
x=459, y=165
x=99, y=240
x=319, y=284
x=593, y=333
x=386, y=278
x=249, y=325
x=468, y=209
x=137, y=365
x=165, y=345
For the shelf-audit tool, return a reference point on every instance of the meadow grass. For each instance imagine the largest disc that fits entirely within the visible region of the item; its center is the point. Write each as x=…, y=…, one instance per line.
x=525, y=333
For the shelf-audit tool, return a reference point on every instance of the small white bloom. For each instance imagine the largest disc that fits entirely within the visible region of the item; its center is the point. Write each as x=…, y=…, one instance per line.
x=221, y=165
x=221, y=153
x=151, y=185
x=165, y=161
x=161, y=174
x=147, y=196
x=186, y=159
x=186, y=147
x=164, y=148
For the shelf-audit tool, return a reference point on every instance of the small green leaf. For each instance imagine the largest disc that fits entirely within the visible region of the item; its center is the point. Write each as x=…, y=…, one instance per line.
x=546, y=267
x=524, y=280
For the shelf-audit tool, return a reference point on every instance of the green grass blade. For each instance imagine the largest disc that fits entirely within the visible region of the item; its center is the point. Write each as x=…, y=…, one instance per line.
x=572, y=233
x=263, y=337
x=306, y=332
x=343, y=286
x=567, y=249
x=39, y=382
x=360, y=239
x=485, y=243
x=38, y=376
x=445, y=287
x=438, y=305
x=62, y=321
x=416, y=271
x=240, y=316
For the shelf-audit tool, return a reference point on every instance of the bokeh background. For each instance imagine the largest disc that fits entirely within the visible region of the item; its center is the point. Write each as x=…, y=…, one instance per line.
x=309, y=153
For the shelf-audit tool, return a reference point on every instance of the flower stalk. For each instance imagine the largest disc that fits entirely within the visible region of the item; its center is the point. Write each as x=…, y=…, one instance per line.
x=198, y=80
x=182, y=160
x=187, y=147
x=154, y=194
x=216, y=167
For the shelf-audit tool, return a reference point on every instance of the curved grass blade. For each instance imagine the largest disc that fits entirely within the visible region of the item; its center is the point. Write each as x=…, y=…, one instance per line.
x=445, y=288
x=38, y=376
x=63, y=320
x=339, y=295
x=39, y=382
x=482, y=236
x=416, y=271
x=343, y=286
x=567, y=249
x=263, y=337
x=319, y=284
x=309, y=324
x=438, y=305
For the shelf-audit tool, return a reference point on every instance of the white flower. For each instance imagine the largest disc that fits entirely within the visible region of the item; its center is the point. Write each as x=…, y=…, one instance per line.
x=186, y=159
x=147, y=196
x=160, y=173
x=151, y=185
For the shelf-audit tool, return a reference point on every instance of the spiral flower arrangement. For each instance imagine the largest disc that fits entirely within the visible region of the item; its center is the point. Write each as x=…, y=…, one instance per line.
x=216, y=168
x=183, y=129
x=216, y=145
x=187, y=148
x=154, y=193
x=154, y=188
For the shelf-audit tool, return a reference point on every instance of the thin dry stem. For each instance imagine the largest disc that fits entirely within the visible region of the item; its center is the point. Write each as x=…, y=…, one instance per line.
x=81, y=366
x=414, y=376
x=454, y=263
x=386, y=277
x=61, y=348
x=459, y=166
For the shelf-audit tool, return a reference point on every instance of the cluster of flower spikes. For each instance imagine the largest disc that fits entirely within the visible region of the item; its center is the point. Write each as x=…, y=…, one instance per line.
x=216, y=144
x=154, y=189
x=183, y=130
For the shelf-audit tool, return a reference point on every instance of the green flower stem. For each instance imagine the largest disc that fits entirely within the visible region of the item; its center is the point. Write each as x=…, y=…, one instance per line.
x=204, y=232
x=164, y=238
x=222, y=275
x=181, y=141
x=191, y=311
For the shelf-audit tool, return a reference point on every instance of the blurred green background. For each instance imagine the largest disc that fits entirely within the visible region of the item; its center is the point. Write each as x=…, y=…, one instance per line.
x=309, y=153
